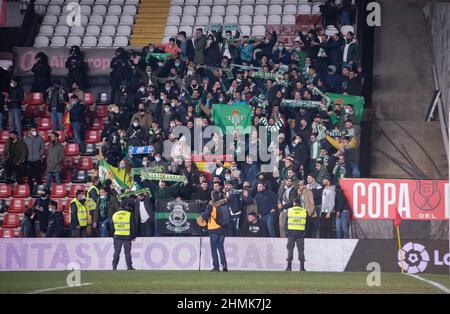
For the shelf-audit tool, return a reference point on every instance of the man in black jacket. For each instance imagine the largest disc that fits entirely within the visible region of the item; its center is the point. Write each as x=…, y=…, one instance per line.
x=76, y=119
x=56, y=98
x=120, y=71
x=42, y=73
x=186, y=47
x=55, y=227
x=265, y=47
x=145, y=216
x=124, y=230
x=75, y=66
x=14, y=102
x=254, y=227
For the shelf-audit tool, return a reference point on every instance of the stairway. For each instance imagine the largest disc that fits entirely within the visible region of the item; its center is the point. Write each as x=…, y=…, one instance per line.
x=150, y=22
x=402, y=91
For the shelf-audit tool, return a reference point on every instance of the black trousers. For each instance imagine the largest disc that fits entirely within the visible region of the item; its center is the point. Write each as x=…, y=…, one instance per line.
x=34, y=171
x=79, y=233
x=118, y=243
x=326, y=227
x=292, y=241
x=10, y=168
x=147, y=229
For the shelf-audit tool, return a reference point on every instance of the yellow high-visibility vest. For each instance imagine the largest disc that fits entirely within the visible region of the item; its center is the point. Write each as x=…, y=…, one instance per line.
x=296, y=218
x=121, y=221
x=81, y=213
x=90, y=204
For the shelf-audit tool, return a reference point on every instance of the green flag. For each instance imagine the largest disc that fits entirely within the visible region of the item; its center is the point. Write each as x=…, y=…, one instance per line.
x=157, y=56
x=236, y=115
x=356, y=101
x=120, y=179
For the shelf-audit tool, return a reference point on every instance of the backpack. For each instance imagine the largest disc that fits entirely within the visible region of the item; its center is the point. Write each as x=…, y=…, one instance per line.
x=223, y=215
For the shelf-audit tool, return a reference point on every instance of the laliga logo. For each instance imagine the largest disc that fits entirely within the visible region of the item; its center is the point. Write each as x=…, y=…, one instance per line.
x=415, y=258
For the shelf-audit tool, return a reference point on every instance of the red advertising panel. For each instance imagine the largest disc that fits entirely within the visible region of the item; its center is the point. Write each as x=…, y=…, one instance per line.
x=414, y=199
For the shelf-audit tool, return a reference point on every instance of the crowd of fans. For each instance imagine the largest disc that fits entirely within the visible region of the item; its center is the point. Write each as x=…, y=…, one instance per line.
x=153, y=92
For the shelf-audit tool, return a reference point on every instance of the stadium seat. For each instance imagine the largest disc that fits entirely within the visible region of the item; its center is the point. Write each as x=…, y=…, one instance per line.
x=234, y=1
x=111, y=20
x=261, y=9
x=85, y=163
x=11, y=221
x=21, y=191
x=276, y=9
x=260, y=20
x=90, y=150
x=290, y=9
x=129, y=10
x=36, y=99
x=6, y=233
x=124, y=30
x=118, y=2
x=89, y=99
x=58, y=41
x=245, y=30
x=175, y=10
x=44, y=135
x=16, y=206
x=44, y=124
x=220, y=2
x=71, y=149
x=104, y=2
x=216, y=19
x=114, y=10
x=99, y=9
x=74, y=188
x=92, y=136
x=274, y=20
x=206, y=2
x=288, y=20
x=245, y=20
x=54, y=10
x=315, y=9
x=187, y=20
x=97, y=124
x=105, y=41
x=231, y=19
x=173, y=20
x=186, y=29
x=5, y=190
x=61, y=30
x=170, y=31
x=204, y=11
x=93, y=30
x=50, y=20
x=68, y=162
x=58, y=191
x=85, y=10
x=202, y=21
x=126, y=20
x=189, y=10
x=66, y=176
x=258, y=30
x=4, y=135
x=96, y=20
x=246, y=10
x=77, y=31
x=80, y=176
x=304, y=9
x=73, y=41
x=177, y=2
x=46, y=30
x=190, y=2
x=232, y=10
x=89, y=41
x=218, y=10
x=37, y=189
x=100, y=111
x=41, y=41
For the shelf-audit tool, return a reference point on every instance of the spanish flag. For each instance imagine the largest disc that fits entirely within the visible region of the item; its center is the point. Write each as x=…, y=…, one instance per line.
x=67, y=125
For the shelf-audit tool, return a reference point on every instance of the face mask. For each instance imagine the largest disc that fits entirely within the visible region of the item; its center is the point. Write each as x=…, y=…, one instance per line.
x=166, y=109
x=210, y=41
x=12, y=85
x=160, y=64
x=177, y=65
x=142, y=112
x=103, y=197
x=144, y=163
x=347, y=111
x=151, y=49
x=167, y=88
x=221, y=99
x=227, y=177
x=172, y=125
x=142, y=89
x=280, y=48
x=83, y=198
x=34, y=133
x=135, y=124
x=158, y=158
x=162, y=97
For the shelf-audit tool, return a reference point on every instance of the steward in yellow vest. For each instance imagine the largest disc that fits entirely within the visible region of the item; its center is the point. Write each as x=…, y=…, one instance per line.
x=92, y=195
x=78, y=216
x=296, y=232
x=123, y=228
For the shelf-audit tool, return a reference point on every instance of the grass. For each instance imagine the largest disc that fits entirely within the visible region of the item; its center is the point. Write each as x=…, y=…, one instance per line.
x=206, y=282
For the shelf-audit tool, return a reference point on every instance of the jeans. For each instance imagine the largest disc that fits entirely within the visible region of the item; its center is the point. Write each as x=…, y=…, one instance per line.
x=15, y=123
x=78, y=136
x=342, y=225
x=326, y=226
x=345, y=18
x=57, y=120
x=233, y=226
x=50, y=175
x=105, y=228
x=217, y=240
x=79, y=233
x=269, y=220
x=355, y=170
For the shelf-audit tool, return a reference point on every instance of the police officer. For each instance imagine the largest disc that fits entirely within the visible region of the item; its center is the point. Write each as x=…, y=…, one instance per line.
x=78, y=215
x=124, y=233
x=75, y=66
x=296, y=232
x=120, y=72
x=42, y=73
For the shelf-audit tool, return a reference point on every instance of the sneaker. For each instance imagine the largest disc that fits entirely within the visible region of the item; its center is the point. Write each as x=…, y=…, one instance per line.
x=288, y=269
x=215, y=269
x=302, y=267
x=225, y=269
x=130, y=268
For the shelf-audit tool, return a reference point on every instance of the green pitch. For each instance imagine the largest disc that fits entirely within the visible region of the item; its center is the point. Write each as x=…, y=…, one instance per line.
x=206, y=282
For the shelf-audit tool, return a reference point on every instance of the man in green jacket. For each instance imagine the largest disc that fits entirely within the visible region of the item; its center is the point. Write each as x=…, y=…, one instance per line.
x=15, y=155
x=55, y=158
